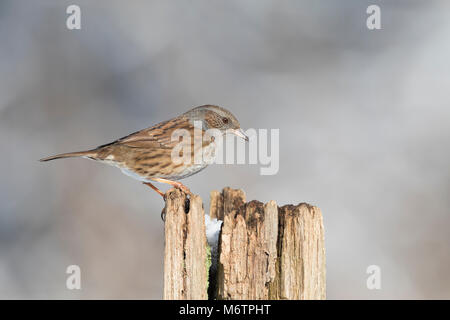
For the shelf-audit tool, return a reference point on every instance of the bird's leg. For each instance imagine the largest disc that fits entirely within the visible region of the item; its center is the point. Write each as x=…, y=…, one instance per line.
x=175, y=184
x=154, y=188
x=163, y=212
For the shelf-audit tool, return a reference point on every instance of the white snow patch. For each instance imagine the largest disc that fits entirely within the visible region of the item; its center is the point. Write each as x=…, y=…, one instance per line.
x=213, y=227
x=212, y=231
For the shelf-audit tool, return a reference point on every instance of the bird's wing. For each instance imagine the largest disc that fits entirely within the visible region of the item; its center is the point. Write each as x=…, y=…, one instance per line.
x=158, y=136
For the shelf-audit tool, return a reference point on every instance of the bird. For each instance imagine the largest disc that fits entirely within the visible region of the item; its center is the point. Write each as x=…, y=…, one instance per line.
x=153, y=154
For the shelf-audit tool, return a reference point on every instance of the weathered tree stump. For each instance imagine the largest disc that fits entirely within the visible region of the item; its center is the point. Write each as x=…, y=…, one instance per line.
x=264, y=251
x=185, y=272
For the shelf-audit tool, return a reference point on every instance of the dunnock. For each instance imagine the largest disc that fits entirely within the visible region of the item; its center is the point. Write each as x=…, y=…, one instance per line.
x=147, y=155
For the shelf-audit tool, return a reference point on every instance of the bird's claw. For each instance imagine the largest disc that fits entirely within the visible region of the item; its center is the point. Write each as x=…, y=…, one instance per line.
x=163, y=214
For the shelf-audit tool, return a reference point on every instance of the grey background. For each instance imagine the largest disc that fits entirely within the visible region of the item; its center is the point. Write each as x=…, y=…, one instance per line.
x=363, y=118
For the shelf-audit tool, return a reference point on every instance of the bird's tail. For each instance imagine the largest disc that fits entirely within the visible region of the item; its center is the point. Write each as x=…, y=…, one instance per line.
x=88, y=154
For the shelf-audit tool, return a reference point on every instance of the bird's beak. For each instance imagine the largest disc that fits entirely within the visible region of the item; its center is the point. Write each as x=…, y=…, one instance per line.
x=240, y=133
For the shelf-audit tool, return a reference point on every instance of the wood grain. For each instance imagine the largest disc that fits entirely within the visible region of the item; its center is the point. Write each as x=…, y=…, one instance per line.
x=185, y=274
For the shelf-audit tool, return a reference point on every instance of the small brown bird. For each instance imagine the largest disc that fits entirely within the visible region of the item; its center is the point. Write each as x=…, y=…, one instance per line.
x=153, y=154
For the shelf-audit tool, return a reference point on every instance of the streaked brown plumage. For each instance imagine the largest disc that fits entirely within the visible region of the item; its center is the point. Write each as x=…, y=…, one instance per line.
x=146, y=155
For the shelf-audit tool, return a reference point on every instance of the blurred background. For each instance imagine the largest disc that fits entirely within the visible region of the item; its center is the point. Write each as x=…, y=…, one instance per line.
x=364, y=121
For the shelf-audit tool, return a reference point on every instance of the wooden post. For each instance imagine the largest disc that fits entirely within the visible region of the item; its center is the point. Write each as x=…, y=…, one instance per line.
x=185, y=272
x=264, y=251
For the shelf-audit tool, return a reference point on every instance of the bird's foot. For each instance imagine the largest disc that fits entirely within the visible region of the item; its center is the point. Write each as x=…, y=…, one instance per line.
x=183, y=188
x=175, y=184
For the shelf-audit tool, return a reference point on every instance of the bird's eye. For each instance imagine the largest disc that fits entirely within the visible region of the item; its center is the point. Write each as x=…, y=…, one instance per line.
x=225, y=120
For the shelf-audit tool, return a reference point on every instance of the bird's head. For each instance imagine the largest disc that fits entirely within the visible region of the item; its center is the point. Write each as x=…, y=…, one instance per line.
x=215, y=117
